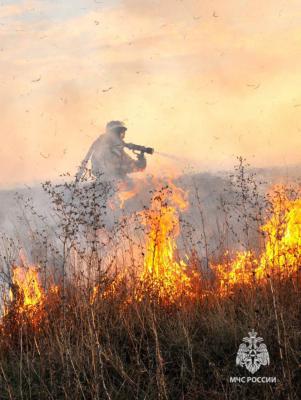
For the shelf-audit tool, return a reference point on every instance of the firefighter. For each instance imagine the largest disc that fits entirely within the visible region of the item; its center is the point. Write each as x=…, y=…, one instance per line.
x=108, y=158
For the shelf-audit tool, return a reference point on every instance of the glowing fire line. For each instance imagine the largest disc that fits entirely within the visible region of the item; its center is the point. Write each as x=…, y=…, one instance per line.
x=169, y=280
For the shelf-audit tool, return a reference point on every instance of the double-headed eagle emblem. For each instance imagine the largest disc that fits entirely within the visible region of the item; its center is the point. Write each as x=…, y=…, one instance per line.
x=252, y=354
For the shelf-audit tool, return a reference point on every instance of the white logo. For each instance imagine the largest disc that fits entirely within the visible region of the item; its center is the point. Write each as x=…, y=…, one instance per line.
x=252, y=354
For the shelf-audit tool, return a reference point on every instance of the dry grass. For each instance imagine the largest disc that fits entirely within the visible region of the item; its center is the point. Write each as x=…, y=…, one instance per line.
x=146, y=351
x=110, y=348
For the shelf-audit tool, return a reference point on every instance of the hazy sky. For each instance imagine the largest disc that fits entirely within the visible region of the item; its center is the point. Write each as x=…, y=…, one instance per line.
x=206, y=80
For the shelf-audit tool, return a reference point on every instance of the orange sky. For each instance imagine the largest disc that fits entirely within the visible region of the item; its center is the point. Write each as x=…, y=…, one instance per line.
x=206, y=80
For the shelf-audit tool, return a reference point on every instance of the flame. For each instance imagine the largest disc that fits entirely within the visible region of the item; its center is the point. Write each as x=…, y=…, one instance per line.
x=27, y=284
x=167, y=278
x=163, y=275
x=27, y=298
x=170, y=279
x=283, y=230
x=282, y=250
x=240, y=270
x=111, y=290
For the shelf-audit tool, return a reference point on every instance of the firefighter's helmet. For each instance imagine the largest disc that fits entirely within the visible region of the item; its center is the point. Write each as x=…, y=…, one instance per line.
x=115, y=126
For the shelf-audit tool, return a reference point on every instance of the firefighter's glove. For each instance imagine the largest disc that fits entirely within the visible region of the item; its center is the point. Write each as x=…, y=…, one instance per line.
x=141, y=161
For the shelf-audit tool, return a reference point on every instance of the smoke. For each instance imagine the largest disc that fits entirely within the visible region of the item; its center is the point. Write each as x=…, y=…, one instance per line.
x=175, y=73
x=212, y=220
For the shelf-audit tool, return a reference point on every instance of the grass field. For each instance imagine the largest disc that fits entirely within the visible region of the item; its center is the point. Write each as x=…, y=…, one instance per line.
x=162, y=326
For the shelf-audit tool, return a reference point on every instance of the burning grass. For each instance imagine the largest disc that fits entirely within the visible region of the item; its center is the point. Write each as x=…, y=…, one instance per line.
x=164, y=332
x=281, y=255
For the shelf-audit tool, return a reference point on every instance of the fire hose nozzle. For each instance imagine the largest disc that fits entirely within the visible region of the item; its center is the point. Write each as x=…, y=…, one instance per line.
x=137, y=147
